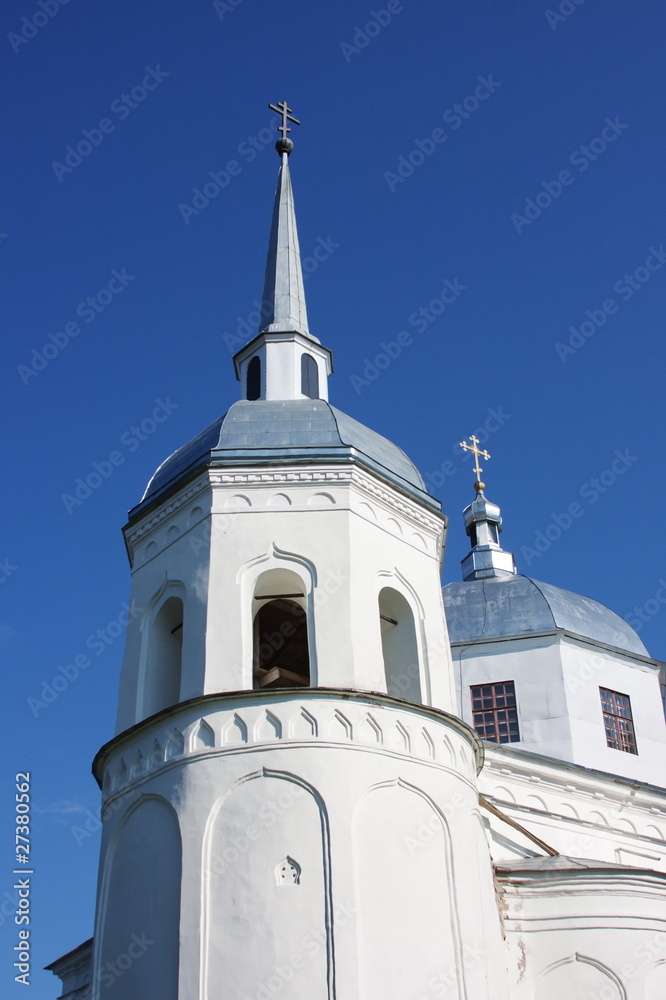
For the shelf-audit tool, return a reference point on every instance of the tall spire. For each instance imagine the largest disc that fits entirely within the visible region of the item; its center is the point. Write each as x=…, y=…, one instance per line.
x=283, y=302
x=284, y=360
x=483, y=524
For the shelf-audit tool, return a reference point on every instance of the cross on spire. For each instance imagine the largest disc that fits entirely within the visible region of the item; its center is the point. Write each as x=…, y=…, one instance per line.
x=477, y=452
x=282, y=109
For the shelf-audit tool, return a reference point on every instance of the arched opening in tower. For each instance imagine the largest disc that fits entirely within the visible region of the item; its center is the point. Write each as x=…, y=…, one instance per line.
x=253, y=383
x=309, y=376
x=281, y=656
x=165, y=654
x=399, y=646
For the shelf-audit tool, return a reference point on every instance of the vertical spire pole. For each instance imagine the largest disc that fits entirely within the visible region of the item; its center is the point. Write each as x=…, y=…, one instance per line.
x=283, y=302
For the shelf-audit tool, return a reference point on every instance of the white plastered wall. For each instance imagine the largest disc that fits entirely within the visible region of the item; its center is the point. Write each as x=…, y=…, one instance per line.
x=343, y=533
x=346, y=536
x=534, y=665
x=587, y=668
x=169, y=553
x=588, y=935
x=557, y=680
x=375, y=802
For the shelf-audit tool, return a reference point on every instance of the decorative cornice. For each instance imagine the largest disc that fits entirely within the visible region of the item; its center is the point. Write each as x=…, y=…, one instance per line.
x=135, y=532
x=410, y=724
x=285, y=476
x=575, y=798
x=394, y=500
x=556, y=632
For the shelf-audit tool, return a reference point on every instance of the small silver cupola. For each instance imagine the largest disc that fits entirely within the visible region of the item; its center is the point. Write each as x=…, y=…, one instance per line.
x=284, y=360
x=483, y=524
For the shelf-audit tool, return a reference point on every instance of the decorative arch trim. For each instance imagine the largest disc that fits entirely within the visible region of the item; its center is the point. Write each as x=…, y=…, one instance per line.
x=585, y=960
x=168, y=588
x=109, y=860
x=405, y=587
x=277, y=556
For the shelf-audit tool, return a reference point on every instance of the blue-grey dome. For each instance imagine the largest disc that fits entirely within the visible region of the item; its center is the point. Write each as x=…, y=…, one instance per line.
x=516, y=605
x=266, y=432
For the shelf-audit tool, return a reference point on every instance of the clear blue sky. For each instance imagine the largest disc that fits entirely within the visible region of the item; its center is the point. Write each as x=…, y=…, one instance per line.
x=369, y=101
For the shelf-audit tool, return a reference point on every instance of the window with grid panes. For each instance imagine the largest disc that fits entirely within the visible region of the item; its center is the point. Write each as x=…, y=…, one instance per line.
x=618, y=721
x=494, y=710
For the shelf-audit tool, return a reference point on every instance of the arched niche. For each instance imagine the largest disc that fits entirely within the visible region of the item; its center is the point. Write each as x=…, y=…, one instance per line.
x=408, y=924
x=267, y=893
x=399, y=646
x=142, y=908
x=163, y=658
x=280, y=642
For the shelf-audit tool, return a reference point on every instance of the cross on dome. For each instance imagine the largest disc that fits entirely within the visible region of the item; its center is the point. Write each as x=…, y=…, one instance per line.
x=477, y=452
x=284, y=143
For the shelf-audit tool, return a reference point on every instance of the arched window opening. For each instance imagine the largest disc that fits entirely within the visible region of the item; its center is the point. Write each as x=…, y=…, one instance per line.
x=309, y=376
x=253, y=379
x=165, y=653
x=281, y=656
x=399, y=646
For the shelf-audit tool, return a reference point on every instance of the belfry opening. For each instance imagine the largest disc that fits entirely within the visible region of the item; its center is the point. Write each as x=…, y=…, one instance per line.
x=280, y=645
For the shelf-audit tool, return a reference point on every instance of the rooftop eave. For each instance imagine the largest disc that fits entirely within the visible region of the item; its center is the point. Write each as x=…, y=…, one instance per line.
x=562, y=633
x=529, y=760
x=587, y=877
x=81, y=952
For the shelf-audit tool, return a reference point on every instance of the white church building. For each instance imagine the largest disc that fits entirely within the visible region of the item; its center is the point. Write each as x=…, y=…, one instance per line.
x=332, y=779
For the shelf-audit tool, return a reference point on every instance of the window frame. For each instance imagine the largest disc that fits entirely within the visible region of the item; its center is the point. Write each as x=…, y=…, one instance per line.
x=616, y=734
x=481, y=725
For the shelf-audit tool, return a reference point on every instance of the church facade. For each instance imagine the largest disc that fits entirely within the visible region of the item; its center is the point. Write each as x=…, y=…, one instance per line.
x=331, y=778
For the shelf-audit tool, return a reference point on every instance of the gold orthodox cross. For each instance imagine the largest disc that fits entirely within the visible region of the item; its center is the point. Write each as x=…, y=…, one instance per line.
x=282, y=109
x=476, y=451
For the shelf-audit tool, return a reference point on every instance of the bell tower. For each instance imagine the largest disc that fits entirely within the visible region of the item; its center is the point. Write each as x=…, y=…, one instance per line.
x=289, y=799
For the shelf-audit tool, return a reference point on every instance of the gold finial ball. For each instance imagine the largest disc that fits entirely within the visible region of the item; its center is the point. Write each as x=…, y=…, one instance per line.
x=478, y=486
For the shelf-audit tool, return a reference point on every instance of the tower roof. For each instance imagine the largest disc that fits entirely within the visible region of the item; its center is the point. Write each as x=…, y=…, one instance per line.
x=284, y=432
